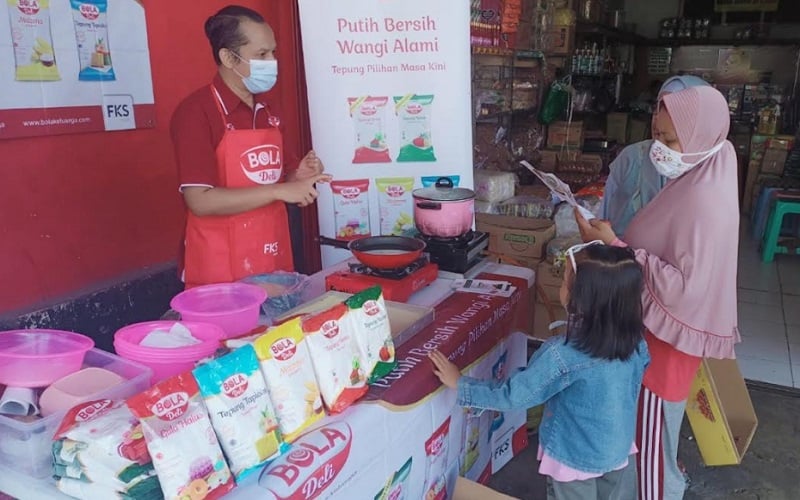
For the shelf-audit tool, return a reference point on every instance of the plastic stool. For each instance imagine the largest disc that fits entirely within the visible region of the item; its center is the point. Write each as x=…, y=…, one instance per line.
x=784, y=204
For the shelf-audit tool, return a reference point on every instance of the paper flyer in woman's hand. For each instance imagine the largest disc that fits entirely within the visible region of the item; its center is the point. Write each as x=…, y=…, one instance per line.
x=558, y=188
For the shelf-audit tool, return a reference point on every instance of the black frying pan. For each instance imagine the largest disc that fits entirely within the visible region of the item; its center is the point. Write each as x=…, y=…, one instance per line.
x=381, y=252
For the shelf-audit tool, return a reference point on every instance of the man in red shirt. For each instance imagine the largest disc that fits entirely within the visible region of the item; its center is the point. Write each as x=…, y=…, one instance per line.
x=231, y=164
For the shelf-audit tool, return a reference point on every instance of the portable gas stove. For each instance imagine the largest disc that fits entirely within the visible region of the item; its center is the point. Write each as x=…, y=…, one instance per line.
x=397, y=284
x=459, y=254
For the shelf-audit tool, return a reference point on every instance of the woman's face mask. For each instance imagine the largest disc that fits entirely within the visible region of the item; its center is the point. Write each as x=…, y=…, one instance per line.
x=669, y=162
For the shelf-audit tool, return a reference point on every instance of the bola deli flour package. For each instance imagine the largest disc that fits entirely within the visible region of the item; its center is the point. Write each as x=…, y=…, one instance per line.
x=287, y=367
x=372, y=331
x=351, y=208
x=90, y=18
x=238, y=403
x=337, y=359
x=368, y=116
x=414, y=112
x=396, y=205
x=34, y=56
x=181, y=441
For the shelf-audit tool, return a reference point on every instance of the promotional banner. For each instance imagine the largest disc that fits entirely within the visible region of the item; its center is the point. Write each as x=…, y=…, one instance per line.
x=74, y=66
x=389, y=102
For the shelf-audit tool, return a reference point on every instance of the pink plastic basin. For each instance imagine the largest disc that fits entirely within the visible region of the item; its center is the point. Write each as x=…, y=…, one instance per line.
x=166, y=362
x=37, y=358
x=233, y=306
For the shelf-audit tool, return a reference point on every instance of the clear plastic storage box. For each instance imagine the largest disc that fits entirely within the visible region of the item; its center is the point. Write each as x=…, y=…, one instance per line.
x=26, y=447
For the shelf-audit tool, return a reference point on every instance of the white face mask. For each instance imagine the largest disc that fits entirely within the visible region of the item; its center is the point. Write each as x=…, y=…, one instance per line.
x=263, y=74
x=669, y=162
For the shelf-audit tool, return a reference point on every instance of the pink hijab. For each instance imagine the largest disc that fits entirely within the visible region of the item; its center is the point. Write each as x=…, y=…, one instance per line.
x=687, y=238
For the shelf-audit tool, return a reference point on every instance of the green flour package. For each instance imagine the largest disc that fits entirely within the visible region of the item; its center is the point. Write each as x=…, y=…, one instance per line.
x=414, y=113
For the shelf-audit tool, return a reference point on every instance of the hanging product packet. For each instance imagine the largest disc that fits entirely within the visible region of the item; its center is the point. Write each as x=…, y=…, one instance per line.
x=414, y=112
x=396, y=205
x=91, y=34
x=238, y=403
x=368, y=116
x=351, y=208
x=396, y=487
x=373, y=332
x=34, y=56
x=437, y=473
x=181, y=440
x=289, y=373
x=336, y=357
x=99, y=452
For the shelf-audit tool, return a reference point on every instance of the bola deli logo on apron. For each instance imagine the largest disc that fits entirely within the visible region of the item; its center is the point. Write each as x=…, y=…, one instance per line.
x=262, y=164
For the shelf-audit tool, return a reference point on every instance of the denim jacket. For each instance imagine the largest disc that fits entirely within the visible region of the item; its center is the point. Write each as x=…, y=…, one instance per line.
x=589, y=418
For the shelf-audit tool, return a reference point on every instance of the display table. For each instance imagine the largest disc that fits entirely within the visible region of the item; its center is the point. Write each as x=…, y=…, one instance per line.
x=408, y=430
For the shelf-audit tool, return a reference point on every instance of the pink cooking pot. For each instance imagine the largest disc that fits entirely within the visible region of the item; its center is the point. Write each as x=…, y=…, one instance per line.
x=444, y=211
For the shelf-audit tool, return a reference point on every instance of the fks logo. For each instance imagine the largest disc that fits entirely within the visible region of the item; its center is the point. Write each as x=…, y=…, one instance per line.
x=262, y=164
x=235, y=385
x=283, y=349
x=89, y=11
x=28, y=7
x=172, y=406
x=310, y=468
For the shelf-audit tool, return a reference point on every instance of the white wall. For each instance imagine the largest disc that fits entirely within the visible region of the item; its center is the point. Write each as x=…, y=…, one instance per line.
x=648, y=13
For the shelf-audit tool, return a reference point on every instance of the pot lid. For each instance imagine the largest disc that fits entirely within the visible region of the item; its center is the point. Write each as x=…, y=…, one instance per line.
x=444, y=190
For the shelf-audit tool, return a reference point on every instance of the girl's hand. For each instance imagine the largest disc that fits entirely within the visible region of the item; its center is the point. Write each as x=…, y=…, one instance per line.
x=310, y=166
x=594, y=229
x=447, y=372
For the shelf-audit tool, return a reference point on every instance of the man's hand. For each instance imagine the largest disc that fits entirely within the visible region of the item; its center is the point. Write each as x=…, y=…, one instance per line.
x=310, y=166
x=301, y=192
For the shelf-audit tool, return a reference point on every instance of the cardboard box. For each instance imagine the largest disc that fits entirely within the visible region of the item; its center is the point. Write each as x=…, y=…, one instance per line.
x=541, y=321
x=548, y=274
x=773, y=161
x=559, y=40
x=639, y=130
x=617, y=127
x=549, y=160
x=533, y=190
x=516, y=236
x=568, y=155
x=753, y=170
x=721, y=413
x=565, y=134
x=785, y=142
x=470, y=490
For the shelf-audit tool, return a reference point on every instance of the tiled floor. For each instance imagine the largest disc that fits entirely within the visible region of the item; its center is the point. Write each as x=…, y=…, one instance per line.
x=769, y=315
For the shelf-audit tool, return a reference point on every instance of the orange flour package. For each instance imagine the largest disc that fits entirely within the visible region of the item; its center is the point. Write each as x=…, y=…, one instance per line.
x=181, y=441
x=368, y=115
x=336, y=357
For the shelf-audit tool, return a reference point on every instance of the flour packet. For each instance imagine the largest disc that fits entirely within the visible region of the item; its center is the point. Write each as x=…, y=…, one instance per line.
x=337, y=359
x=436, y=476
x=351, y=208
x=396, y=205
x=414, y=112
x=373, y=332
x=368, y=116
x=90, y=18
x=238, y=403
x=34, y=56
x=289, y=373
x=181, y=441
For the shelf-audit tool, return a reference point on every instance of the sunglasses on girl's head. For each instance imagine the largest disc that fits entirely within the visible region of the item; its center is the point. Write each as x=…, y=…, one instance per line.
x=571, y=251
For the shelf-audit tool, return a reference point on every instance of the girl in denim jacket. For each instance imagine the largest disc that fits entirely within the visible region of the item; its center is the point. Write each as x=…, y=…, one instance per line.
x=588, y=379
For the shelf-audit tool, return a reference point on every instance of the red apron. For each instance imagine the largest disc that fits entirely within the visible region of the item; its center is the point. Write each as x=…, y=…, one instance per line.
x=222, y=249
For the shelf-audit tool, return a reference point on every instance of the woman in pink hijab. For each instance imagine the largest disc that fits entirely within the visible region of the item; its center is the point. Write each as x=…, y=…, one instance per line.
x=686, y=239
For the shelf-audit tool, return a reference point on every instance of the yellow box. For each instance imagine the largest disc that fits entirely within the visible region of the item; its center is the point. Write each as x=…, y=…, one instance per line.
x=721, y=413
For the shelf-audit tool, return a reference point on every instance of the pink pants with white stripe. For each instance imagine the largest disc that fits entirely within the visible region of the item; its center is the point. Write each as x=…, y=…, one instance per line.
x=657, y=435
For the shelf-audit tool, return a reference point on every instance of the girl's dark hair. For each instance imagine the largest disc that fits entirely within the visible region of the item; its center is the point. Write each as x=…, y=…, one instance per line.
x=605, y=303
x=222, y=29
